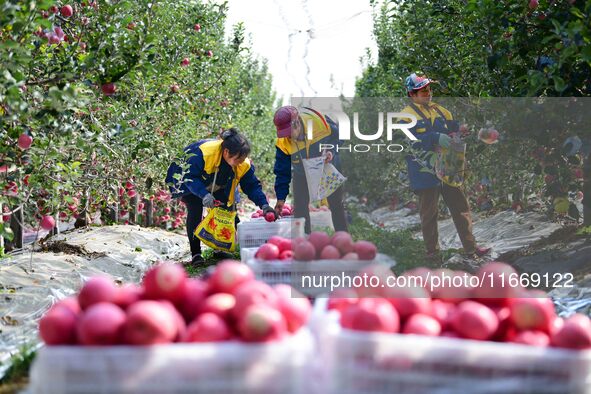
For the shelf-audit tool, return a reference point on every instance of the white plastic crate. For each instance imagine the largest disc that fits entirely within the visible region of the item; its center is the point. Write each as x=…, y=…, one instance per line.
x=228, y=367
x=293, y=272
x=247, y=254
x=256, y=232
x=376, y=363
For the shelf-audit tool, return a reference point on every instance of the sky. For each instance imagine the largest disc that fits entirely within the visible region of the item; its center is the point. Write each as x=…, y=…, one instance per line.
x=313, y=47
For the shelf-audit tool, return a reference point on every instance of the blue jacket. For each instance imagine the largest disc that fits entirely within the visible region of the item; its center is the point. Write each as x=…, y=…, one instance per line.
x=432, y=120
x=204, y=158
x=288, y=152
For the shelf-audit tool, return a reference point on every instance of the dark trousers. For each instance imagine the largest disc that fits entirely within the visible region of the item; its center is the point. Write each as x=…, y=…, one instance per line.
x=458, y=206
x=194, y=217
x=301, y=201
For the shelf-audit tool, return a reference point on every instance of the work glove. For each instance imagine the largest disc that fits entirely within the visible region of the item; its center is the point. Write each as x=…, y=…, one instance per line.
x=279, y=207
x=267, y=208
x=444, y=140
x=209, y=201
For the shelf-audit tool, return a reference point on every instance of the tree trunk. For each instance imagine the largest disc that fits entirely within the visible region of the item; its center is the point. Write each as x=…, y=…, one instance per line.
x=587, y=191
x=16, y=224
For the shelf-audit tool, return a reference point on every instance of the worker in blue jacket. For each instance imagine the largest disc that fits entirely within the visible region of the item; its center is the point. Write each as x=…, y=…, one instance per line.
x=433, y=129
x=228, y=157
x=292, y=146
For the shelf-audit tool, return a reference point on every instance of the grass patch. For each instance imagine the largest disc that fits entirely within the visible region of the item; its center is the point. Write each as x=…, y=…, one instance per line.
x=210, y=259
x=17, y=376
x=399, y=245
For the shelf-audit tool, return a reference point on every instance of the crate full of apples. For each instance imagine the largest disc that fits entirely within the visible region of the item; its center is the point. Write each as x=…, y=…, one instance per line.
x=227, y=334
x=254, y=233
x=286, y=260
x=437, y=337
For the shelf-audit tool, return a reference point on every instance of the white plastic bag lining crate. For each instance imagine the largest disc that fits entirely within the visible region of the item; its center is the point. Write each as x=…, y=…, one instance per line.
x=377, y=363
x=256, y=232
x=218, y=368
x=293, y=272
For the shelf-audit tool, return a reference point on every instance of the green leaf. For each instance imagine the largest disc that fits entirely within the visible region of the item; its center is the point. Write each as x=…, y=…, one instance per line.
x=559, y=84
x=586, y=54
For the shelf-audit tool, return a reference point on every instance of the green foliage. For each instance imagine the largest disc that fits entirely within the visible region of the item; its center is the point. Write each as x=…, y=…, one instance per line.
x=480, y=49
x=20, y=363
x=399, y=245
x=87, y=143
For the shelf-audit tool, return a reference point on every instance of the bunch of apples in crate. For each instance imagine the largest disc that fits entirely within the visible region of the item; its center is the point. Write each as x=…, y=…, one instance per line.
x=169, y=307
x=270, y=217
x=490, y=311
x=317, y=246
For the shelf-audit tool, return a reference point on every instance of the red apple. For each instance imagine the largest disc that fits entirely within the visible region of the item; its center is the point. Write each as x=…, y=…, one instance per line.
x=505, y=331
x=535, y=311
x=533, y=4
x=455, y=286
x=421, y=324
x=343, y=242
x=127, y=295
x=195, y=292
x=166, y=281
x=58, y=325
x=408, y=300
x=67, y=11
x=319, y=240
x=24, y=141
x=150, y=322
x=294, y=306
x=228, y=275
x=97, y=289
x=371, y=314
x=174, y=88
x=108, y=89
x=207, y=327
x=253, y=293
x=220, y=304
x=53, y=9
x=285, y=245
x=267, y=252
x=365, y=249
x=262, y=323
x=473, y=320
x=101, y=324
x=275, y=240
x=341, y=299
x=47, y=223
x=197, y=27
x=286, y=255
x=532, y=338
x=494, y=285
x=185, y=62
x=270, y=217
x=575, y=333
x=379, y=280
x=418, y=277
x=351, y=256
x=209, y=53
x=330, y=253
x=304, y=251
x=443, y=313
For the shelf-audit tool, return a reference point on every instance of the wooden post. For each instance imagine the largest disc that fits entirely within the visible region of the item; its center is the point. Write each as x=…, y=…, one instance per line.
x=587, y=190
x=56, y=229
x=16, y=224
x=114, y=213
x=133, y=213
x=1, y=222
x=149, y=212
